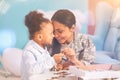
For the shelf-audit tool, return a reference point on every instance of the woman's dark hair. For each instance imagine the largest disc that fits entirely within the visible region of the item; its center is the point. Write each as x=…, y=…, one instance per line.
x=55, y=47
x=33, y=21
x=64, y=17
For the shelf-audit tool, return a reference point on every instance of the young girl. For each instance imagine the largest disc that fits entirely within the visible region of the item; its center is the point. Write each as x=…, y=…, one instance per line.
x=35, y=58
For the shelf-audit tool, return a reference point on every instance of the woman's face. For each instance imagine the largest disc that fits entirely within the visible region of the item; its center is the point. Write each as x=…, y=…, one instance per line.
x=62, y=33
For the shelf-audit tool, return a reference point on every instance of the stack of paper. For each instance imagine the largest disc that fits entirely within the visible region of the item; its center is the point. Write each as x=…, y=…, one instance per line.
x=97, y=74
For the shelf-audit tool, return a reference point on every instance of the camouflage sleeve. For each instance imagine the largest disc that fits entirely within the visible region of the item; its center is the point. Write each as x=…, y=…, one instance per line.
x=89, y=50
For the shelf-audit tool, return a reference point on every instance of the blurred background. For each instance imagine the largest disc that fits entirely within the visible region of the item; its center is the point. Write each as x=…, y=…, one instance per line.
x=13, y=32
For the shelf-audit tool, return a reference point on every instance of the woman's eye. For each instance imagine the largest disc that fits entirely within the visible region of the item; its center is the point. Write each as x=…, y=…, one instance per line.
x=60, y=31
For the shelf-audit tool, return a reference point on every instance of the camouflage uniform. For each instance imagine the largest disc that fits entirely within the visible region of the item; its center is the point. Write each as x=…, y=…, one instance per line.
x=84, y=48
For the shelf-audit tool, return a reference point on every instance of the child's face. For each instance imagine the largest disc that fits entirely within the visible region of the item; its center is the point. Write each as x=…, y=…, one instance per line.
x=46, y=33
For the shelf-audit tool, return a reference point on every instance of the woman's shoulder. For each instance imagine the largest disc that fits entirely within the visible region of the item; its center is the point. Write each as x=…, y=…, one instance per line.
x=82, y=36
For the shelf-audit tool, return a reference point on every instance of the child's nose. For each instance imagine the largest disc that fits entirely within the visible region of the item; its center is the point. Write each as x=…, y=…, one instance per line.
x=56, y=35
x=53, y=35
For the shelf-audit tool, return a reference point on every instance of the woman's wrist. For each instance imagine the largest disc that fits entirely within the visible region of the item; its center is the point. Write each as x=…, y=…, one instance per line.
x=75, y=61
x=78, y=63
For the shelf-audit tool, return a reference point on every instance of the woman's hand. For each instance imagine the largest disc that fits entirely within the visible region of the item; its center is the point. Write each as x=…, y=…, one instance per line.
x=69, y=53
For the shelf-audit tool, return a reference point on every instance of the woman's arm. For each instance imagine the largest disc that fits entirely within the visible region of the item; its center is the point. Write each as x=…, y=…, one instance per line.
x=89, y=49
x=70, y=54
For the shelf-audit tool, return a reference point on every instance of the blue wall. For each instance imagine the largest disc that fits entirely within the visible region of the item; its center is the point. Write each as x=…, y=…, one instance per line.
x=13, y=32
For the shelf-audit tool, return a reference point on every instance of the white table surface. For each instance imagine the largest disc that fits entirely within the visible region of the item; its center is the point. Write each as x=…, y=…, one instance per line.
x=48, y=75
x=95, y=74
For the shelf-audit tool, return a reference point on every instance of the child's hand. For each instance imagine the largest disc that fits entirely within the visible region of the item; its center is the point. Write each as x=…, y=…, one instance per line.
x=58, y=57
x=58, y=60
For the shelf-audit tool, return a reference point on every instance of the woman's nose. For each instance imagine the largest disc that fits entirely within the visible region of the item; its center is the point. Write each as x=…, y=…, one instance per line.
x=56, y=35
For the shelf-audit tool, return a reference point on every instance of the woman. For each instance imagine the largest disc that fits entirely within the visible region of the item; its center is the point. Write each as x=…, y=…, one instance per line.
x=65, y=36
x=78, y=48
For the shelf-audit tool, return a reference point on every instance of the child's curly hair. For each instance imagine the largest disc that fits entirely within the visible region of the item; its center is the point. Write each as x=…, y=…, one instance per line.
x=33, y=20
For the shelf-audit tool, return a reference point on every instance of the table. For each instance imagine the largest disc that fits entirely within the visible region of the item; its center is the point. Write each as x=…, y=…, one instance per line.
x=95, y=74
x=76, y=74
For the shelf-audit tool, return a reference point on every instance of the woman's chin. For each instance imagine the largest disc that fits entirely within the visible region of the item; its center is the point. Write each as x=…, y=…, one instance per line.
x=61, y=42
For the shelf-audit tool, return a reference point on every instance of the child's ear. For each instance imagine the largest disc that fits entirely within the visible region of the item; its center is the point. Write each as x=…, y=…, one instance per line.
x=39, y=37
